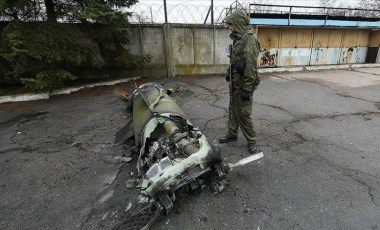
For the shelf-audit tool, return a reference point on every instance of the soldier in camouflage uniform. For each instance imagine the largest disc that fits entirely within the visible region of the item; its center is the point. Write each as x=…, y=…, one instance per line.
x=244, y=79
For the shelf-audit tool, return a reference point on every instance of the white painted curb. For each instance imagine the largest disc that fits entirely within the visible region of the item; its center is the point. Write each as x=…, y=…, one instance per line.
x=317, y=68
x=364, y=65
x=281, y=70
x=24, y=97
x=39, y=96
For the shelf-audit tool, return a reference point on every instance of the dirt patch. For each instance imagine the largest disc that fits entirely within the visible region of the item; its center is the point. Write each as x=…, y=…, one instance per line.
x=93, y=92
x=19, y=106
x=190, y=81
x=377, y=104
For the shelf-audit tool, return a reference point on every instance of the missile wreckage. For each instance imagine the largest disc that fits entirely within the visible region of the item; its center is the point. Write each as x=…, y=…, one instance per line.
x=173, y=154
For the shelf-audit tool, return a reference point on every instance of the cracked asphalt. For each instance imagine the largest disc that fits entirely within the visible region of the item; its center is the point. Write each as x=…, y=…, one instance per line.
x=319, y=131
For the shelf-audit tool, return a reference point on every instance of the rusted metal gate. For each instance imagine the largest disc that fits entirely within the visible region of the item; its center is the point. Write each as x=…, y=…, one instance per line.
x=326, y=47
x=306, y=46
x=373, y=54
x=354, y=46
x=295, y=46
x=270, y=43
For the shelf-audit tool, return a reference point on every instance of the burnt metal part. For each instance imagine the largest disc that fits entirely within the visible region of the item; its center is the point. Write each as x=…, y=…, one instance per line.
x=174, y=156
x=143, y=219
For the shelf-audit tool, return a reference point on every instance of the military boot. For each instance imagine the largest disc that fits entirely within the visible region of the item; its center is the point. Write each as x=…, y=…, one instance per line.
x=227, y=138
x=252, y=148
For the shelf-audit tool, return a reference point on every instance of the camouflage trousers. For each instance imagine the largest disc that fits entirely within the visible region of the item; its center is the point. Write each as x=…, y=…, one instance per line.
x=240, y=116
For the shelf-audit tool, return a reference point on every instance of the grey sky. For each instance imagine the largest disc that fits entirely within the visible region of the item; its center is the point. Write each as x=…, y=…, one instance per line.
x=229, y=2
x=195, y=11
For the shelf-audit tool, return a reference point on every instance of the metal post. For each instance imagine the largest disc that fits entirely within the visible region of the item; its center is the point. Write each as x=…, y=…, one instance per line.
x=141, y=39
x=212, y=12
x=166, y=13
x=167, y=29
x=151, y=15
x=214, y=45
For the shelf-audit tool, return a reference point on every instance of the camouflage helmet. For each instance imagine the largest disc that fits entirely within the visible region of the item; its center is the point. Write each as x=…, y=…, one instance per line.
x=237, y=18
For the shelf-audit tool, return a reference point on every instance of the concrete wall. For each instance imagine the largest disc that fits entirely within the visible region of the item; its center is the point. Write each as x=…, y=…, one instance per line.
x=180, y=49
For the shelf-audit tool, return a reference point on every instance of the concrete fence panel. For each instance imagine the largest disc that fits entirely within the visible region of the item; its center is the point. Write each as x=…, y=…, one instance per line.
x=204, y=46
x=199, y=49
x=135, y=44
x=183, y=46
x=154, y=45
x=222, y=41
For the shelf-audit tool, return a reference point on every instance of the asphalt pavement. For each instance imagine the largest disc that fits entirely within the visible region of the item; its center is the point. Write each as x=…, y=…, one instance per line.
x=319, y=132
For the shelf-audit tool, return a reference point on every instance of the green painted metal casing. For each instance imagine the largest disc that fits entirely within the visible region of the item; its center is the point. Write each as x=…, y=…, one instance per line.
x=154, y=100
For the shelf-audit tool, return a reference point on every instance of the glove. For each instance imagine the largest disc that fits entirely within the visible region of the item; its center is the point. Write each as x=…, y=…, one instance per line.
x=240, y=67
x=227, y=77
x=245, y=95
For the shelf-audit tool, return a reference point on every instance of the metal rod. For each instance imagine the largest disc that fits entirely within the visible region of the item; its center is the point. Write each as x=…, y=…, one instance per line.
x=166, y=13
x=214, y=45
x=247, y=160
x=208, y=12
x=141, y=39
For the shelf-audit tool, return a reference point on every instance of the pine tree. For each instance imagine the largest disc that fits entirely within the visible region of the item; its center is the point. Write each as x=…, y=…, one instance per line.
x=47, y=42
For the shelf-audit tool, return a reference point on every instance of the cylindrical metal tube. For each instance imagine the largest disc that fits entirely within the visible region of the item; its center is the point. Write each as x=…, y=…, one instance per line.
x=188, y=147
x=170, y=127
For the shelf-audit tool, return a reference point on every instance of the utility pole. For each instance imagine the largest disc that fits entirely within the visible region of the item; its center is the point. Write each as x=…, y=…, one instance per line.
x=166, y=13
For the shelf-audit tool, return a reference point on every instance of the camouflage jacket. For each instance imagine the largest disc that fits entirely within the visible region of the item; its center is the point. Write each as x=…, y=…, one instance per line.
x=245, y=49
